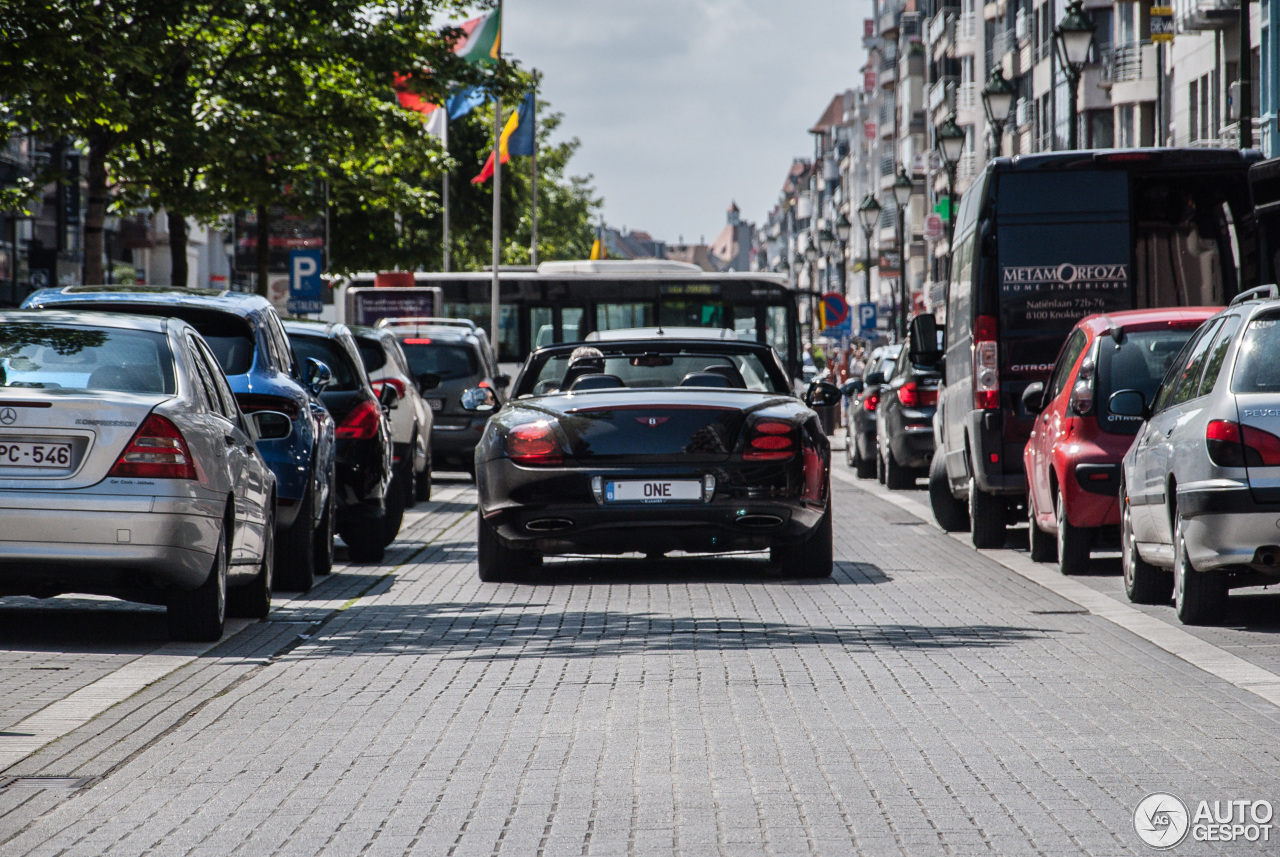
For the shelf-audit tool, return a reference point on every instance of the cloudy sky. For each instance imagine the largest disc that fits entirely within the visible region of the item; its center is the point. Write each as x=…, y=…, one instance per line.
x=683, y=106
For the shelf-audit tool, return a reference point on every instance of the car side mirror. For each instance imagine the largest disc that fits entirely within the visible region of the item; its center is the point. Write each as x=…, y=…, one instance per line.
x=428, y=381
x=479, y=399
x=388, y=395
x=922, y=341
x=501, y=381
x=875, y=379
x=271, y=425
x=1033, y=397
x=822, y=394
x=1128, y=403
x=317, y=376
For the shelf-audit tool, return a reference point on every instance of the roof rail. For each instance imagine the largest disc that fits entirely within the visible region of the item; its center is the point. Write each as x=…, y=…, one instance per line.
x=1261, y=293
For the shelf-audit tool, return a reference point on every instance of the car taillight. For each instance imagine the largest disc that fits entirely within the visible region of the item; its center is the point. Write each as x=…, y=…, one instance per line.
x=768, y=440
x=1233, y=445
x=157, y=450
x=986, y=372
x=254, y=402
x=534, y=444
x=912, y=395
x=417, y=340
x=870, y=402
x=394, y=383
x=1081, y=401
x=362, y=423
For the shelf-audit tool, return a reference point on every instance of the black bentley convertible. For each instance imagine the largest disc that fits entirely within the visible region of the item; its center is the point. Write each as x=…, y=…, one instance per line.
x=653, y=446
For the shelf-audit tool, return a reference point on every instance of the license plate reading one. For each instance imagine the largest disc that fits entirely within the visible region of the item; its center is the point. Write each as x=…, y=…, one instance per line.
x=23, y=453
x=652, y=491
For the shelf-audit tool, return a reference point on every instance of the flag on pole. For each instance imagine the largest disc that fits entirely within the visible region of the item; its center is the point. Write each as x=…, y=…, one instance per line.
x=511, y=141
x=597, y=247
x=465, y=100
x=483, y=39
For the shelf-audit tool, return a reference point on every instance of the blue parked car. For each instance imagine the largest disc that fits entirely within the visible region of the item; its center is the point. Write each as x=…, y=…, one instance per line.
x=249, y=342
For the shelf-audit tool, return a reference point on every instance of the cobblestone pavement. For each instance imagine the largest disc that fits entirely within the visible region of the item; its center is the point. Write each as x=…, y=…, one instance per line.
x=925, y=700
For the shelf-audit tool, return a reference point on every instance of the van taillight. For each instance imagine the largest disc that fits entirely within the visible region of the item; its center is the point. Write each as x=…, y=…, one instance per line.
x=1233, y=445
x=362, y=423
x=769, y=440
x=534, y=444
x=157, y=450
x=913, y=396
x=986, y=371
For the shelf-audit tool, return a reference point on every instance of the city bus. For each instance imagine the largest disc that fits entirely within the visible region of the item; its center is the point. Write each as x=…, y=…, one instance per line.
x=566, y=301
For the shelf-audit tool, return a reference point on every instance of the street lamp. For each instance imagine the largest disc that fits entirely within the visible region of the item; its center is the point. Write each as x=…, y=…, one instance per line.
x=997, y=101
x=843, y=228
x=902, y=190
x=951, y=146
x=868, y=216
x=1073, y=38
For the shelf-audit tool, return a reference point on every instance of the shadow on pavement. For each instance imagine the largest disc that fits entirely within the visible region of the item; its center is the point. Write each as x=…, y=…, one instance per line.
x=82, y=625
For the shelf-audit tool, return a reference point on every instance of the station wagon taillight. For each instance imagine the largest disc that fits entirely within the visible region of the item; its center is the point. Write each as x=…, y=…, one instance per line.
x=253, y=402
x=534, y=444
x=362, y=423
x=1233, y=445
x=770, y=440
x=986, y=371
x=157, y=450
x=870, y=402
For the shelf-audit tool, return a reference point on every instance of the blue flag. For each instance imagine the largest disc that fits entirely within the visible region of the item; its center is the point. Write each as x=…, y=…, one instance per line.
x=524, y=138
x=464, y=101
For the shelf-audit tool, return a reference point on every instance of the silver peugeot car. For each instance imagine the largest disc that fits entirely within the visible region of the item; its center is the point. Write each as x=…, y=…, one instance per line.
x=127, y=469
x=1200, y=491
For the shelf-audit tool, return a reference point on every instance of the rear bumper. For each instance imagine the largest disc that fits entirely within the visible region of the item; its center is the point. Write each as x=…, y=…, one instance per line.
x=456, y=443
x=1225, y=526
x=912, y=445
x=48, y=547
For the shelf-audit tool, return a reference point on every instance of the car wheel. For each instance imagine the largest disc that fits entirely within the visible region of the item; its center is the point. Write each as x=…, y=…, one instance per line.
x=880, y=474
x=987, y=515
x=1144, y=583
x=951, y=514
x=813, y=557
x=1074, y=543
x=394, y=515
x=324, y=536
x=1043, y=547
x=850, y=449
x=296, y=549
x=199, y=616
x=253, y=601
x=897, y=477
x=1199, y=597
x=422, y=483
x=499, y=563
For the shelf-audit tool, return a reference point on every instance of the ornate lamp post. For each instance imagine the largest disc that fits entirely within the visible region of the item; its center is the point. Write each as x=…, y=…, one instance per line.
x=997, y=101
x=811, y=257
x=868, y=216
x=1073, y=38
x=951, y=146
x=902, y=190
x=843, y=228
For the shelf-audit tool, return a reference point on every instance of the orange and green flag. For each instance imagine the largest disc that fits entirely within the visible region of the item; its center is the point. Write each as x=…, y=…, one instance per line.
x=483, y=38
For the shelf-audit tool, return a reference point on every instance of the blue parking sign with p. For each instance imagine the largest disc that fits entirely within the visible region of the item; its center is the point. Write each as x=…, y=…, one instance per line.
x=867, y=316
x=304, y=281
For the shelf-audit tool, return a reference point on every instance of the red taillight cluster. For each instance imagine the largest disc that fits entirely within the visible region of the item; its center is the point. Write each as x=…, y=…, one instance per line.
x=769, y=440
x=986, y=371
x=394, y=383
x=253, y=402
x=534, y=444
x=870, y=402
x=157, y=450
x=362, y=423
x=1234, y=445
x=912, y=395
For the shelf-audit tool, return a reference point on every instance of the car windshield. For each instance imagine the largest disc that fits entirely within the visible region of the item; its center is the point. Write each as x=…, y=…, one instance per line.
x=1139, y=362
x=653, y=369
x=1258, y=365
x=85, y=358
x=448, y=360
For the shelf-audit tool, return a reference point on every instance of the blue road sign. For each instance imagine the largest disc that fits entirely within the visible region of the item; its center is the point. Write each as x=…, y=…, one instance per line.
x=304, y=281
x=867, y=316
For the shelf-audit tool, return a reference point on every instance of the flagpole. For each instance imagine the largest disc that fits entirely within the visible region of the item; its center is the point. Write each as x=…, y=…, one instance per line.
x=533, y=117
x=445, y=188
x=495, y=332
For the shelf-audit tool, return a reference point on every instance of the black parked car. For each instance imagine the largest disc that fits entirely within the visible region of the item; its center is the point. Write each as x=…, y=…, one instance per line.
x=860, y=439
x=370, y=497
x=908, y=401
x=654, y=446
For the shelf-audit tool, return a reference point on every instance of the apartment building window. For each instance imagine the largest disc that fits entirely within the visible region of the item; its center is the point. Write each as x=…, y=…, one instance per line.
x=1193, y=111
x=1127, y=126
x=1208, y=122
x=1102, y=37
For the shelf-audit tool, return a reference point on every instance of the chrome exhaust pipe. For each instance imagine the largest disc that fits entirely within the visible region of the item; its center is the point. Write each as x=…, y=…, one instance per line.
x=759, y=522
x=548, y=525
